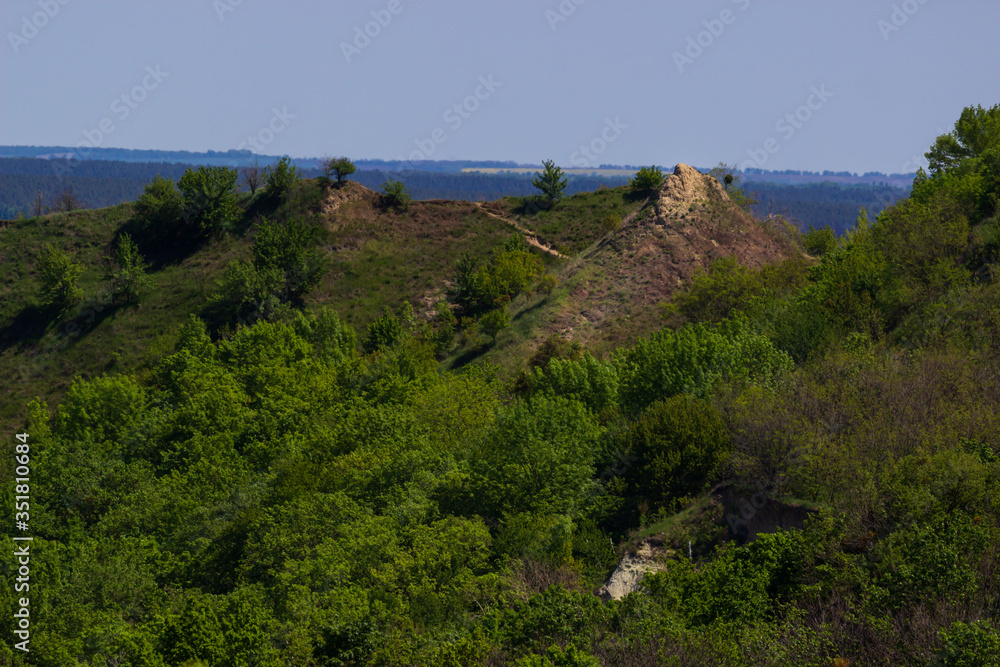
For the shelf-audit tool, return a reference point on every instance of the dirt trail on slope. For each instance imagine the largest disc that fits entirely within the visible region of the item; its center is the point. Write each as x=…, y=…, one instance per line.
x=529, y=236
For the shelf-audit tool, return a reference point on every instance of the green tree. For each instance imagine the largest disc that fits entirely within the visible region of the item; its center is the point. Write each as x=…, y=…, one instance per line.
x=341, y=167
x=129, y=277
x=287, y=247
x=976, y=131
x=60, y=279
x=159, y=210
x=493, y=322
x=550, y=182
x=384, y=333
x=677, y=445
x=646, y=181
x=395, y=194
x=210, y=203
x=510, y=270
x=819, y=242
x=280, y=180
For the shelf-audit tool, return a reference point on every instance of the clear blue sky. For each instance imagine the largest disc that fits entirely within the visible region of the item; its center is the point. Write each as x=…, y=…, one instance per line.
x=207, y=74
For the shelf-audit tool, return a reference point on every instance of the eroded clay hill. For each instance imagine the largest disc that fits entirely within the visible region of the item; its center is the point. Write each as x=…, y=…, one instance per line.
x=614, y=286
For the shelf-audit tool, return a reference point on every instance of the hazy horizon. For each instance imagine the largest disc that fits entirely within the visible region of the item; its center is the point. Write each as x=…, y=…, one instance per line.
x=855, y=87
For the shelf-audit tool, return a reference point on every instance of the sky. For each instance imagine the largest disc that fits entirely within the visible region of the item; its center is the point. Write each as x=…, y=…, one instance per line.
x=851, y=85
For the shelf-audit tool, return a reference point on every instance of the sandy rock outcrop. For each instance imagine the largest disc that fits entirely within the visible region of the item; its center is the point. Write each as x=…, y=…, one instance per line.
x=631, y=570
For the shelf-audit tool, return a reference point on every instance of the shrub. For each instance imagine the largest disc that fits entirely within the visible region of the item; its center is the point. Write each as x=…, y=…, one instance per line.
x=384, y=333
x=280, y=180
x=546, y=284
x=678, y=445
x=646, y=181
x=493, y=322
x=210, y=203
x=60, y=279
x=339, y=166
x=286, y=246
x=159, y=210
x=819, y=242
x=969, y=645
x=130, y=279
x=395, y=195
x=693, y=359
x=510, y=270
x=611, y=222
x=588, y=380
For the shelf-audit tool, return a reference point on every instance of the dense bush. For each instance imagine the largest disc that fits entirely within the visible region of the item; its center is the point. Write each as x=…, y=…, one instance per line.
x=675, y=448
x=210, y=203
x=509, y=271
x=60, y=279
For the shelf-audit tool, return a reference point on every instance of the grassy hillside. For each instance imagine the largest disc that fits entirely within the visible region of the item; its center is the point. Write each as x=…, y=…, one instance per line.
x=800, y=450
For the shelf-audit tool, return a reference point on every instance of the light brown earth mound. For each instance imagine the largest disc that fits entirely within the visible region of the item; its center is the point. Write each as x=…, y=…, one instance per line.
x=616, y=284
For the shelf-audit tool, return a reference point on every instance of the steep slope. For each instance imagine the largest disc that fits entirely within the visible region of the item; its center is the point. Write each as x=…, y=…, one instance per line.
x=608, y=294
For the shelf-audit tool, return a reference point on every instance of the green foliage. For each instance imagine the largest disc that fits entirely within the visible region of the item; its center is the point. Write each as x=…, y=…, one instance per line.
x=341, y=167
x=60, y=279
x=539, y=458
x=588, y=380
x=284, y=268
x=159, y=210
x=976, y=131
x=384, y=333
x=974, y=644
x=332, y=339
x=934, y=561
x=246, y=294
x=646, y=181
x=557, y=657
x=210, y=203
x=677, y=445
x=395, y=195
x=129, y=279
x=819, y=242
x=510, y=270
x=280, y=180
x=288, y=247
x=611, y=222
x=550, y=182
x=493, y=322
x=693, y=359
x=728, y=287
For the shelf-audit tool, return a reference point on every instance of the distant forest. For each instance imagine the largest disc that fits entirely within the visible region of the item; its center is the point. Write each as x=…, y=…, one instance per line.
x=822, y=204
x=100, y=183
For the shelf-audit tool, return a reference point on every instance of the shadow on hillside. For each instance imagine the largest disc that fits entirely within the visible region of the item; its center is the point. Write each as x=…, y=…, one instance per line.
x=469, y=356
x=161, y=249
x=32, y=323
x=28, y=326
x=531, y=206
x=524, y=311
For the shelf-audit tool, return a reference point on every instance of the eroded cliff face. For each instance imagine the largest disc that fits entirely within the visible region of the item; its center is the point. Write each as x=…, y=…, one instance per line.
x=632, y=568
